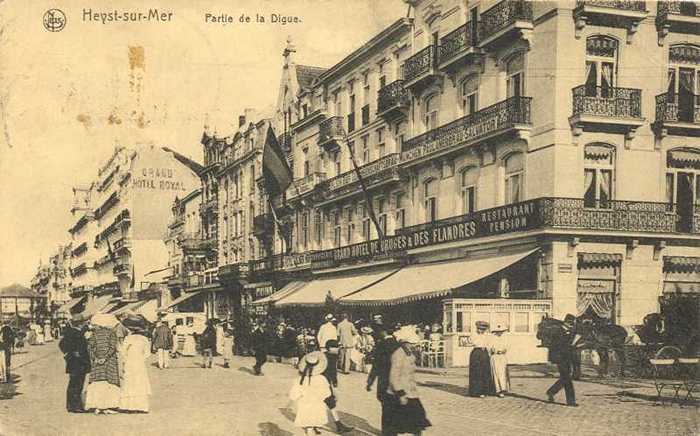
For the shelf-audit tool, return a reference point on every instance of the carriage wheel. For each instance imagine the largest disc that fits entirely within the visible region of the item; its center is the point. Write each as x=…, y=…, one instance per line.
x=668, y=352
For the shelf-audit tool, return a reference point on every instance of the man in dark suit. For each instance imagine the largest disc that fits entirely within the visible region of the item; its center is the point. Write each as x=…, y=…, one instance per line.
x=75, y=352
x=7, y=343
x=381, y=366
x=562, y=354
x=259, y=341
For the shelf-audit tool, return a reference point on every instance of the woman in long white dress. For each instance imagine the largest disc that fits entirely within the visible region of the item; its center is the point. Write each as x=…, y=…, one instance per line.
x=310, y=392
x=136, y=349
x=499, y=361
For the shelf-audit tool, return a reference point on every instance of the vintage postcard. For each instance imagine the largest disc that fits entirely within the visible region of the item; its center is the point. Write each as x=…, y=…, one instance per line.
x=282, y=217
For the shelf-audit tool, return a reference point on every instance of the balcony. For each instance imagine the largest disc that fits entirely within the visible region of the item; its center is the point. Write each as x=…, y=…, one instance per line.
x=122, y=244
x=677, y=17
x=505, y=22
x=458, y=47
x=79, y=250
x=305, y=185
x=610, y=13
x=123, y=268
x=420, y=70
x=311, y=118
x=375, y=173
x=570, y=213
x=614, y=215
x=677, y=115
x=331, y=133
x=393, y=101
x=285, y=141
x=79, y=270
x=234, y=272
x=606, y=109
x=210, y=206
x=511, y=116
x=177, y=282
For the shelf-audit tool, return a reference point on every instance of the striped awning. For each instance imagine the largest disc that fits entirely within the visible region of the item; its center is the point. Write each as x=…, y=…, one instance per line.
x=599, y=259
x=681, y=264
x=684, y=158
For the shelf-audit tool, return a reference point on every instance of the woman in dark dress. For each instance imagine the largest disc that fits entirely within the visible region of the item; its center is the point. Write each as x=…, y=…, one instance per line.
x=480, y=378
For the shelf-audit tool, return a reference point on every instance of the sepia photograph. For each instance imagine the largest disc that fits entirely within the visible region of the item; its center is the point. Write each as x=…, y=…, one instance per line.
x=357, y=217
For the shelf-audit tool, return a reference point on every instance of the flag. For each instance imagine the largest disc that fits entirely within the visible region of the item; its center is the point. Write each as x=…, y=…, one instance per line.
x=281, y=228
x=276, y=171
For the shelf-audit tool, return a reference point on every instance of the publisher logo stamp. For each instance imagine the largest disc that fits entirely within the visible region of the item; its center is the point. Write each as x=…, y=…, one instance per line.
x=54, y=20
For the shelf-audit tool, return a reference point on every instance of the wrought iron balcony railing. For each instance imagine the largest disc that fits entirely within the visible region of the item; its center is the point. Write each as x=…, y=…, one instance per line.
x=503, y=15
x=331, y=131
x=625, y=5
x=673, y=108
x=456, y=42
x=392, y=96
x=368, y=171
x=572, y=213
x=602, y=101
x=420, y=63
x=210, y=206
x=486, y=122
x=667, y=9
x=305, y=185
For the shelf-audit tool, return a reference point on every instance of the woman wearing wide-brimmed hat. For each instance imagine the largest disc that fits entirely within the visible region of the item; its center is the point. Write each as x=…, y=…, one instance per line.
x=480, y=378
x=136, y=349
x=103, y=390
x=403, y=408
x=310, y=393
x=499, y=361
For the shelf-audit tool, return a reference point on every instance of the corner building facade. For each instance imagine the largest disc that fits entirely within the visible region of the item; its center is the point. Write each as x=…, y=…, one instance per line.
x=522, y=158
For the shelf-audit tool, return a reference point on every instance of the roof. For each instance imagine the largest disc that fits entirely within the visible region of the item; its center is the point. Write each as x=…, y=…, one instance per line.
x=189, y=163
x=400, y=25
x=17, y=290
x=307, y=74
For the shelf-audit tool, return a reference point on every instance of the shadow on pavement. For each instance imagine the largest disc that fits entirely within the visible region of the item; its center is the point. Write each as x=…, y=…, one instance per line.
x=652, y=399
x=446, y=387
x=525, y=397
x=9, y=390
x=271, y=429
x=246, y=370
x=359, y=425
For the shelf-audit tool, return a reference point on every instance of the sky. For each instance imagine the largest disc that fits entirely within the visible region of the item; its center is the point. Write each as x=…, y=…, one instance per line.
x=68, y=97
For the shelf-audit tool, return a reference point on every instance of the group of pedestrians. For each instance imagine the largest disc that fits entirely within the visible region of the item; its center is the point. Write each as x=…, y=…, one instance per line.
x=112, y=355
x=393, y=368
x=488, y=364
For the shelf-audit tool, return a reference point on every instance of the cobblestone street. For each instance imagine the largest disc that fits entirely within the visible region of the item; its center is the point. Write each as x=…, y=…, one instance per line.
x=189, y=400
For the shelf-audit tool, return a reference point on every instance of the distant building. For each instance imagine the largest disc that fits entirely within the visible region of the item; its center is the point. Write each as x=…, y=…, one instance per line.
x=19, y=301
x=121, y=217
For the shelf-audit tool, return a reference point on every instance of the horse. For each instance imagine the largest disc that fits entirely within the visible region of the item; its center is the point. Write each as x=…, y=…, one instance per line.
x=602, y=337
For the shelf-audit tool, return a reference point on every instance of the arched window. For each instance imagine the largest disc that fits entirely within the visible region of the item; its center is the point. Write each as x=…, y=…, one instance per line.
x=431, y=112
x=601, y=69
x=683, y=84
x=468, y=189
x=514, y=172
x=515, y=73
x=469, y=95
x=599, y=172
x=683, y=184
x=430, y=200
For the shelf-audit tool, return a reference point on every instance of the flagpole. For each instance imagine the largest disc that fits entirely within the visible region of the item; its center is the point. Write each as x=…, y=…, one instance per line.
x=368, y=196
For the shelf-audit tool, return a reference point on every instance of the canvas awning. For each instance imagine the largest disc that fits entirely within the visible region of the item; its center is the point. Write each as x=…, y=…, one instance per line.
x=418, y=282
x=314, y=293
x=286, y=290
x=96, y=304
x=182, y=298
x=66, y=307
x=599, y=259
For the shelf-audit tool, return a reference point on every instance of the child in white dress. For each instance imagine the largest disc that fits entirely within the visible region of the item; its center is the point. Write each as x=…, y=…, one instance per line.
x=310, y=393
